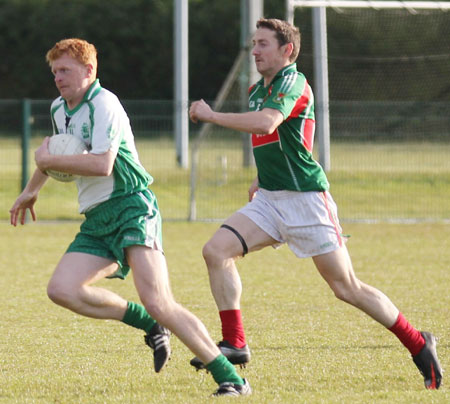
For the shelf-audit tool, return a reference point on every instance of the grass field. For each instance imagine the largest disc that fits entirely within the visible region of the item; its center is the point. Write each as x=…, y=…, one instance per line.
x=369, y=181
x=307, y=346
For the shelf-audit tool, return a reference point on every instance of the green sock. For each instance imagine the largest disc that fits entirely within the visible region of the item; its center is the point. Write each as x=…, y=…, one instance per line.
x=136, y=316
x=223, y=371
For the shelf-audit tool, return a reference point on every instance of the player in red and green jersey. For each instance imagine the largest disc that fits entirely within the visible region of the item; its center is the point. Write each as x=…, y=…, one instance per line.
x=289, y=203
x=284, y=157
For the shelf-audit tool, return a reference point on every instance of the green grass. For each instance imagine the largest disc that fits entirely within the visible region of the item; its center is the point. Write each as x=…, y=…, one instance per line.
x=307, y=346
x=374, y=181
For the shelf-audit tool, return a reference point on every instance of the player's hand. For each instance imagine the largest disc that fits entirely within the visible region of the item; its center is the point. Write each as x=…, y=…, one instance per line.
x=18, y=211
x=253, y=189
x=200, y=111
x=41, y=155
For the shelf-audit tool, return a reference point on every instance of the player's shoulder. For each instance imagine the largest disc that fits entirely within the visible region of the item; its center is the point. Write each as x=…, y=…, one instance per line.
x=56, y=104
x=103, y=95
x=98, y=94
x=105, y=100
x=290, y=81
x=290, y=77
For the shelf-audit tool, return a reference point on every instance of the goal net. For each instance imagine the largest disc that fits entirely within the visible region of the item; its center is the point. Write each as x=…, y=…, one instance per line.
x=221, y=163
x=389, y=101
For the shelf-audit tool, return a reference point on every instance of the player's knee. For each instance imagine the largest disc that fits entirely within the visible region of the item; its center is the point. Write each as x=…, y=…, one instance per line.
x=158, y=308
x=342, y=294
x=210, y=253
x=347, y=292
x=214, y=254
x=59, y=293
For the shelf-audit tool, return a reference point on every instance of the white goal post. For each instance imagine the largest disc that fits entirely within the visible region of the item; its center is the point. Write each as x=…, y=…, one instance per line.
x=411, y=5
x=389, y=85
x=321, y=54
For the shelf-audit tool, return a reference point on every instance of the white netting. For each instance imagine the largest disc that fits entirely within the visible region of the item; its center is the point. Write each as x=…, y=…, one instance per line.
x=389, y=82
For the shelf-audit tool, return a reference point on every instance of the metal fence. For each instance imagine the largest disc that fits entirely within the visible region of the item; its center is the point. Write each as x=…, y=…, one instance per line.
x=389, y=161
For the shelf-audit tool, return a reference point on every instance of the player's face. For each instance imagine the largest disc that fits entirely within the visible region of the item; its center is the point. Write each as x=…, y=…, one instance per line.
x=71, y=79
x=269, y=55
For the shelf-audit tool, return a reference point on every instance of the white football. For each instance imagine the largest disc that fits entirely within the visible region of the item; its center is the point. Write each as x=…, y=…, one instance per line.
x=64, y=144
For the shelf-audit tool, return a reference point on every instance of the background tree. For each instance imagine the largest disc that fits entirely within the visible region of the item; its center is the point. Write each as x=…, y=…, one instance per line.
x=135, y=43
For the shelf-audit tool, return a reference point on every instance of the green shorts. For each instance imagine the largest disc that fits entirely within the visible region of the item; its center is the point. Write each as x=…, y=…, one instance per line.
x=119, y=223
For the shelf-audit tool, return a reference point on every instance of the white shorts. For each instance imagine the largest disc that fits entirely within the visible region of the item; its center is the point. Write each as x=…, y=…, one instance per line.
x=306, y=221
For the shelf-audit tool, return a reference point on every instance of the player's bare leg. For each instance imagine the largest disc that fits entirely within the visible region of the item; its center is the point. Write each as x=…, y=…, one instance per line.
x=220, y=254
x=71, y=287
x=152, y=283
x=336, y=268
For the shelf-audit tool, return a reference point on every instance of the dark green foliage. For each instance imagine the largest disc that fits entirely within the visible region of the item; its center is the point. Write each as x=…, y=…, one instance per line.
x=373, y=55
x=134, y=39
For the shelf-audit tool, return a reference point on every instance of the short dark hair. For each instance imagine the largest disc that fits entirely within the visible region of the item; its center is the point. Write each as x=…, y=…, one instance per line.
x=284, y=32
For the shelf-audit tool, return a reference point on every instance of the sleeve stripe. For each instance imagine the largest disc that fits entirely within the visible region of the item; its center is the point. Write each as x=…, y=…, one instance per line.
x=288, y=82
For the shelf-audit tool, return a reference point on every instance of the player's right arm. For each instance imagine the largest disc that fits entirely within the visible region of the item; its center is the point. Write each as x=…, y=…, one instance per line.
x=88, y=164
x=27, y=198
x=259, y=122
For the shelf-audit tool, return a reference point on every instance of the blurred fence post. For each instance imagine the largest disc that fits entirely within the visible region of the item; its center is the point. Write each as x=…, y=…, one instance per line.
x=181, y=79
x=26, y=134
x=320, y=51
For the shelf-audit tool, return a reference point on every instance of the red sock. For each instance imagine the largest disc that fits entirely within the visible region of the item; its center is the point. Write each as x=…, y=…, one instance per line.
x=408, y=335
x=232, y=327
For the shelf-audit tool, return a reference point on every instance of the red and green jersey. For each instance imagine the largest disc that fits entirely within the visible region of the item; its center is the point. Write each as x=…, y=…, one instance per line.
x=284, y=158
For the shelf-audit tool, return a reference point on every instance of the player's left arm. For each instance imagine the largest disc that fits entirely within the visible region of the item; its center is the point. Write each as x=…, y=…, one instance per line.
x=253, y=189
x=258, y=122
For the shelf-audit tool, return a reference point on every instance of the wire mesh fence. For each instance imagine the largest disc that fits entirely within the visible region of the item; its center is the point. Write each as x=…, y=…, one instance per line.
x=389, y=79
x=380, y=170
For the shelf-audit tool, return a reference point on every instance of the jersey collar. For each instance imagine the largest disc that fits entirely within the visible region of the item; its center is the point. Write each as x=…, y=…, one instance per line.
x=283, y=72
x=92, y=91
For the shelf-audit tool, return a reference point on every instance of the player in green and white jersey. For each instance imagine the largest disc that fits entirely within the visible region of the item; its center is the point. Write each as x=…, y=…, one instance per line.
x=289, y=202
x=122, y=226
x=101, y=113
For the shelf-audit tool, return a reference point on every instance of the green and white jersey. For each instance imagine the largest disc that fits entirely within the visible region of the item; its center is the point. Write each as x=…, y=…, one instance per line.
x=284, y=158
x=102, y=123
